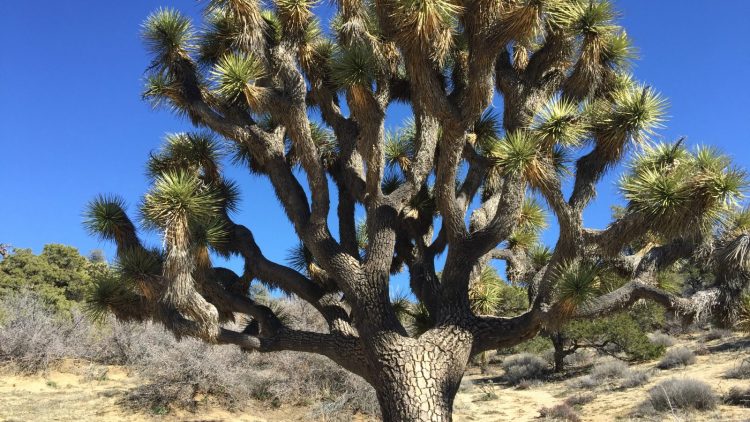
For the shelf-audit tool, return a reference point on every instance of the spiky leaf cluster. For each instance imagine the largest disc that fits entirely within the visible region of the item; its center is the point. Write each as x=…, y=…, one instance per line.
x=631, y=116
x=168, y=34
x=675, y=190
x=105, y=217
x=427, y=25
x=578, y=283
x=177, y=195
x=235, y=75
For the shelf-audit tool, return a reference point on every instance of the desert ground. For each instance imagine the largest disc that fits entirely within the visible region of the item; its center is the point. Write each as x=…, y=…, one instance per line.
x=78, y=390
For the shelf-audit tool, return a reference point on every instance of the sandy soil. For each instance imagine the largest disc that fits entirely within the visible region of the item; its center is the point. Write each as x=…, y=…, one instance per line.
x=79, y=391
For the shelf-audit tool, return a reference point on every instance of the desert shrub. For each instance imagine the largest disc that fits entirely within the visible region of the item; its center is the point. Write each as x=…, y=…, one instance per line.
x=580, y=399
x=739, y=371
x=33, y=336
x=181, y=372
x=661, y=339
x=561, y=412
x=580, y=357
x=608, y=369
x=524, y=367
x=738, y=396
x=634, y=378
x=716, y=334
x=683, y=393
x=680, y=356
x=586, y=382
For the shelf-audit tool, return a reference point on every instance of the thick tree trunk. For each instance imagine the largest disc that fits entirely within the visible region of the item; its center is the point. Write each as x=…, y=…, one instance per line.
x=419, y=378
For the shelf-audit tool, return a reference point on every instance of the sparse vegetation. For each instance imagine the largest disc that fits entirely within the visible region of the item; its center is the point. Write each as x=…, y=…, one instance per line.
x=684, y=393
x=740, y=371
x=738, y=396
x=677, y=357
x=661, y=339
x=524, y=366
x=716, y=334
x=560, y=412
x=635, y=378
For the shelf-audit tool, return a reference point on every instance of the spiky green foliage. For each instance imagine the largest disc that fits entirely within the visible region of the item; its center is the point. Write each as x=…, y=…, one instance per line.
x=618, y=50
x=294, y=15
x=138, y=264
x=486, y=130
x=399, y=149
x=391, y=182
x=675, y=190
x=105, y=217
x=632, y=115
x=516, y=153
x=168, y=34
x=586, y=18
x=427, y=24
x=235, y=75
x=179, y=195
x=188, y=152
x=353, y=66
x=484, y=294
x=577, y=284
x=107, y=294
x=540, y=255
x=300, y=258
x=560, y=122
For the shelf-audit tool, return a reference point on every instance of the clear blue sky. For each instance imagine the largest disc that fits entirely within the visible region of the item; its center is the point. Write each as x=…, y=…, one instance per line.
x=73, y=123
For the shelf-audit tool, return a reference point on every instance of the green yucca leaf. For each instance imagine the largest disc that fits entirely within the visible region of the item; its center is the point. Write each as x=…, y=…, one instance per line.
x=273, y=26
x=139, y=264
x=631, y=115
x=618, y=50
x=656, y=193
x=577, y=284
x=560, y=122
x=294, y=14
x=352, y=66
x=362, y=238
x=299, y=258
x=669, y=281
x=187, y=152
x=160, y=89
x=487, y=130
x=219, y=37
x=660, y=157
x=584, y=17
x=235, y=75
x=540, y=255
x=108, y=294
x=167, y=33
x=401, y=306
x=532, y=217
x=399, y=149
x=421, y=320
x=427, y=24
x=105, y=217
x=522, y=239
x=515, y=152
x=708, y=158
x=391, y=182
x=485, y=293
x=179, y=195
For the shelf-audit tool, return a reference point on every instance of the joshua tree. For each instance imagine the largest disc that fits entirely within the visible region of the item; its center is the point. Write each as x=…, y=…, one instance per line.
x=454, y=181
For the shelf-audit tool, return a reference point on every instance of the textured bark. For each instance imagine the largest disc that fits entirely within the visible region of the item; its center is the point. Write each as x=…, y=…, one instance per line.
x=419, y=378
